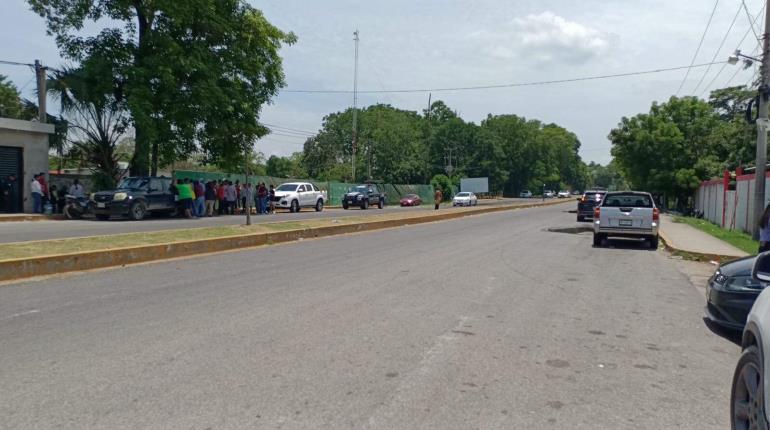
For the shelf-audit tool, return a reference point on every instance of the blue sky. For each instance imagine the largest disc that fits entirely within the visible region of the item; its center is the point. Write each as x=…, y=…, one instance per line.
x=451, y=43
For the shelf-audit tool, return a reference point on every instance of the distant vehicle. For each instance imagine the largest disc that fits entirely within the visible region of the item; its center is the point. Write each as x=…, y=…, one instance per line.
x=465, y=199
x=587, y=203
x=297, y=195
x=627, y=214
x=576, y=193
x=548, y=194
x=411, y=200
x=563, y=194
x=526, y=194
x=363, y=196
x=135, y=197
x=749, y=394
x=731, y=292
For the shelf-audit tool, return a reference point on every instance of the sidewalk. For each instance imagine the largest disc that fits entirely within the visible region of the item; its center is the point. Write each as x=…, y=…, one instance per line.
x=28, y=217
x=683, y=237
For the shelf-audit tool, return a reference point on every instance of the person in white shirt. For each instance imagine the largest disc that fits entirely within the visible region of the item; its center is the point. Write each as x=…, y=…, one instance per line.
x=77, y=190
x=37, y=195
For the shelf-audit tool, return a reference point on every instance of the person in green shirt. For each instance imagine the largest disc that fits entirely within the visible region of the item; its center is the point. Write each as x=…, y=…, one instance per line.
x=186, y=196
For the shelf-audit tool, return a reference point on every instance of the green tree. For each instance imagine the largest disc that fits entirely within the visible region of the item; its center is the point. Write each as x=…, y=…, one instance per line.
x=443, y=183
x=286, y=167
x=195, y=73
x=10, y=100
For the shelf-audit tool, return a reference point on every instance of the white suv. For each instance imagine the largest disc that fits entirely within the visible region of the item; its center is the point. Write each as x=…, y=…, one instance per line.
x=297, y=195
x=626, y=214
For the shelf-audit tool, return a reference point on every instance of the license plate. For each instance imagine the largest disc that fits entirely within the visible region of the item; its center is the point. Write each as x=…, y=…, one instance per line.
x=626, y=223
x=100, y=205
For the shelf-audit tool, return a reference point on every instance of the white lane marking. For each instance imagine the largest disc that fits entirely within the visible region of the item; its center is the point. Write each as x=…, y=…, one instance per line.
x=21, y=314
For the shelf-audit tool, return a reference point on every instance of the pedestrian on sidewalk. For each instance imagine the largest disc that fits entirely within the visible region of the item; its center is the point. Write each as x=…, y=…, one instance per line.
x=271, y=200
x=186, y=196
x=262, y=198
x=211, y=198
x=37, y=195
x=438, y=196
x=200, y=198
x=77, y=190
x=247, y=197
x=764, y=230
x=231, y=197
x=221, y=196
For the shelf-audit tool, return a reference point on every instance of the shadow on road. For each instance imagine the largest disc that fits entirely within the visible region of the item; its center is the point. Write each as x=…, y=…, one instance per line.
x=731, y=335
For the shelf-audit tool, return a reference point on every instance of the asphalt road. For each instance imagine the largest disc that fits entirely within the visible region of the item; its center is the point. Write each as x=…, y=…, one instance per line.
x=41, y=230
x=487, y=322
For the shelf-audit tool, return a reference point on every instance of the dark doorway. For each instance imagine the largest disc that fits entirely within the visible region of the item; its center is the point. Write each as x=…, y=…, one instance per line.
x=11, y=179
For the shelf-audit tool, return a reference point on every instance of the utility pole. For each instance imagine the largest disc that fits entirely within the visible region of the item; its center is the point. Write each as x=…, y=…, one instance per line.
x=41, y=90
x=355, y=107
x=762, y=124
x=449, y=167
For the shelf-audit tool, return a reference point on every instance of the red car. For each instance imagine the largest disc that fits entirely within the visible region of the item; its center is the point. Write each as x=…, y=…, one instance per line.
x=411, y=200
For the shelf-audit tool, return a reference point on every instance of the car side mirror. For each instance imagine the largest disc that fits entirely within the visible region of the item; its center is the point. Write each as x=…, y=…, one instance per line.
x=761, y=270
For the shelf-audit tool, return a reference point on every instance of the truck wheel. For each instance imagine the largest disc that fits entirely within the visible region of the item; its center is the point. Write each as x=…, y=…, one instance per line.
x=381, y=203
x=102, y=217
x=319, y=205
x=137, y=211
x=654, y=242
x=598, y=240
x=365, y=205
x=345, y=205
x=294, y=206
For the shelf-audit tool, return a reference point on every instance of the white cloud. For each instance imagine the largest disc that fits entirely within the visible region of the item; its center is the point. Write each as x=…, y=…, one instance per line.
x=546, y=37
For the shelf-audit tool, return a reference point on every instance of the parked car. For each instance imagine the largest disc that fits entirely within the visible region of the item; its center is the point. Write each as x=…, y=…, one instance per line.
x=587, y=203
x=749, y=395
x=548, y=194
x=731, y=292
x=297, y=195
x=135, y=197
x=576, y=193
x=526, y=194
x=563, y=194
x=363, y=196
x=627, y=214
x=465, y=198
x=411, y=200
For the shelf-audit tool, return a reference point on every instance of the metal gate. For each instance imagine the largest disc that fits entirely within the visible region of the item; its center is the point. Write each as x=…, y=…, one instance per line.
x=11, y=163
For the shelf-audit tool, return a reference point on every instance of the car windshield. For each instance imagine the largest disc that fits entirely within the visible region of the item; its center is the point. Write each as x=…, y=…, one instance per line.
x=463, y=194
x=358, y=189
x=595, y=196
x=410, y=196
x=287, y=187
x=627, y=200
x=133, y=183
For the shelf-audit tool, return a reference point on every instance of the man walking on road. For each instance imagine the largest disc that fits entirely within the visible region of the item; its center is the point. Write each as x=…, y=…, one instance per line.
x=438, y=196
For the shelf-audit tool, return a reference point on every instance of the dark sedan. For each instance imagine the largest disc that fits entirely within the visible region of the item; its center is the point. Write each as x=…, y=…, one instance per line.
x=730, y=293
x=411, y=200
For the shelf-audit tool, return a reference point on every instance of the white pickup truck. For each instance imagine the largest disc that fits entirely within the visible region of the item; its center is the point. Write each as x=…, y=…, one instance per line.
x=627, y=214
x=297, y=195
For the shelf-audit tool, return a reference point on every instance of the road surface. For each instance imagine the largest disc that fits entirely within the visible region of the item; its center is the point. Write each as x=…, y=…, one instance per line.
x=487, y=322
x=41, y=230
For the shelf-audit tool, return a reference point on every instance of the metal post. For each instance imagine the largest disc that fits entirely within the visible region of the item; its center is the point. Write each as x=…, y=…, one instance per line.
x=759, y=188
x=41, y=91
x=355, y=108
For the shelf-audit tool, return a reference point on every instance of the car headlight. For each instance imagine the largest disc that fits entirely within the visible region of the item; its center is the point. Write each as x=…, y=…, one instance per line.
x=720, y=278
x=742, y=283
x=120, y=197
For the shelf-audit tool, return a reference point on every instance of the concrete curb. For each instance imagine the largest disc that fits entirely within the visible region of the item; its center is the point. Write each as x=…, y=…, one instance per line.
x=30, y=217
x=21, y=268
x=692, y=255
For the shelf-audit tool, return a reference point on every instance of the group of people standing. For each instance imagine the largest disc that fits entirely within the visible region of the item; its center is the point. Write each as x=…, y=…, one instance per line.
x=43, y=195
x=224, y=197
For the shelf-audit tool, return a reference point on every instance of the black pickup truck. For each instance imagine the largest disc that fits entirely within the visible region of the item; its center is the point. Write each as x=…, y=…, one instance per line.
x=363, y=196
x=587, y=203
x=136, y=197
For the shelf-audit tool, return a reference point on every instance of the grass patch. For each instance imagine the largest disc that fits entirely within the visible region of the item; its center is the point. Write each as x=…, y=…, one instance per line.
x=738, y=239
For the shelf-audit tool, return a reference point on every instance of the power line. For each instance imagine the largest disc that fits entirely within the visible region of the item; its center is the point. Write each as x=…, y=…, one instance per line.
x=16, y=63
x=721, y=44
x=721, y=69
x=703, y=36
x=287, y=128
x=748, y=15
x=293, y=133
x=518, y=84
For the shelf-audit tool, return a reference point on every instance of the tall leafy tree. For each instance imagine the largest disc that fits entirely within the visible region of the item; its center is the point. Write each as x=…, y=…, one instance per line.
x=195, y=73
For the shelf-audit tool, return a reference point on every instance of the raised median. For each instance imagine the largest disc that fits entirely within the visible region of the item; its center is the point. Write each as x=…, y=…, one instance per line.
x=38, y=258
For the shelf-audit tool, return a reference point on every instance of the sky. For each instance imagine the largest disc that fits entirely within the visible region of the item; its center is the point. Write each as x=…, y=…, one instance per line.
x=428, y=44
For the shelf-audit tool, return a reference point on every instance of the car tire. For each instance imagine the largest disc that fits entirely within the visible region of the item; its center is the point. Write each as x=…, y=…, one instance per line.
x=747, y=406
x=319, y=205
x=137, y=211
x=380, y=204
x=294, y=206
x=102, y=217
x=654, y=241
x=581, y=218
x=365, y=205
x=598, y=240
x=71, y=214
x=345, y=205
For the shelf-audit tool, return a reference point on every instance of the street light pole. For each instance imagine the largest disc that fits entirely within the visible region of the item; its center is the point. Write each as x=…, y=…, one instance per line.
x=762, y=123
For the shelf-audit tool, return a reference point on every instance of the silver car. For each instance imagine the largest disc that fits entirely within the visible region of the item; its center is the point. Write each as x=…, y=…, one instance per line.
x=626, y=214
x=465, y=199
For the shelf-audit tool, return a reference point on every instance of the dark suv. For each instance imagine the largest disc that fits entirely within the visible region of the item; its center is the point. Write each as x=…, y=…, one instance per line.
x=135, y=197
x=586, y=204
x=363, y=196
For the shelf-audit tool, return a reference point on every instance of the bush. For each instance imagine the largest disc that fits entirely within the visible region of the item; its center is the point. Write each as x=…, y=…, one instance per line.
x=443, y=183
